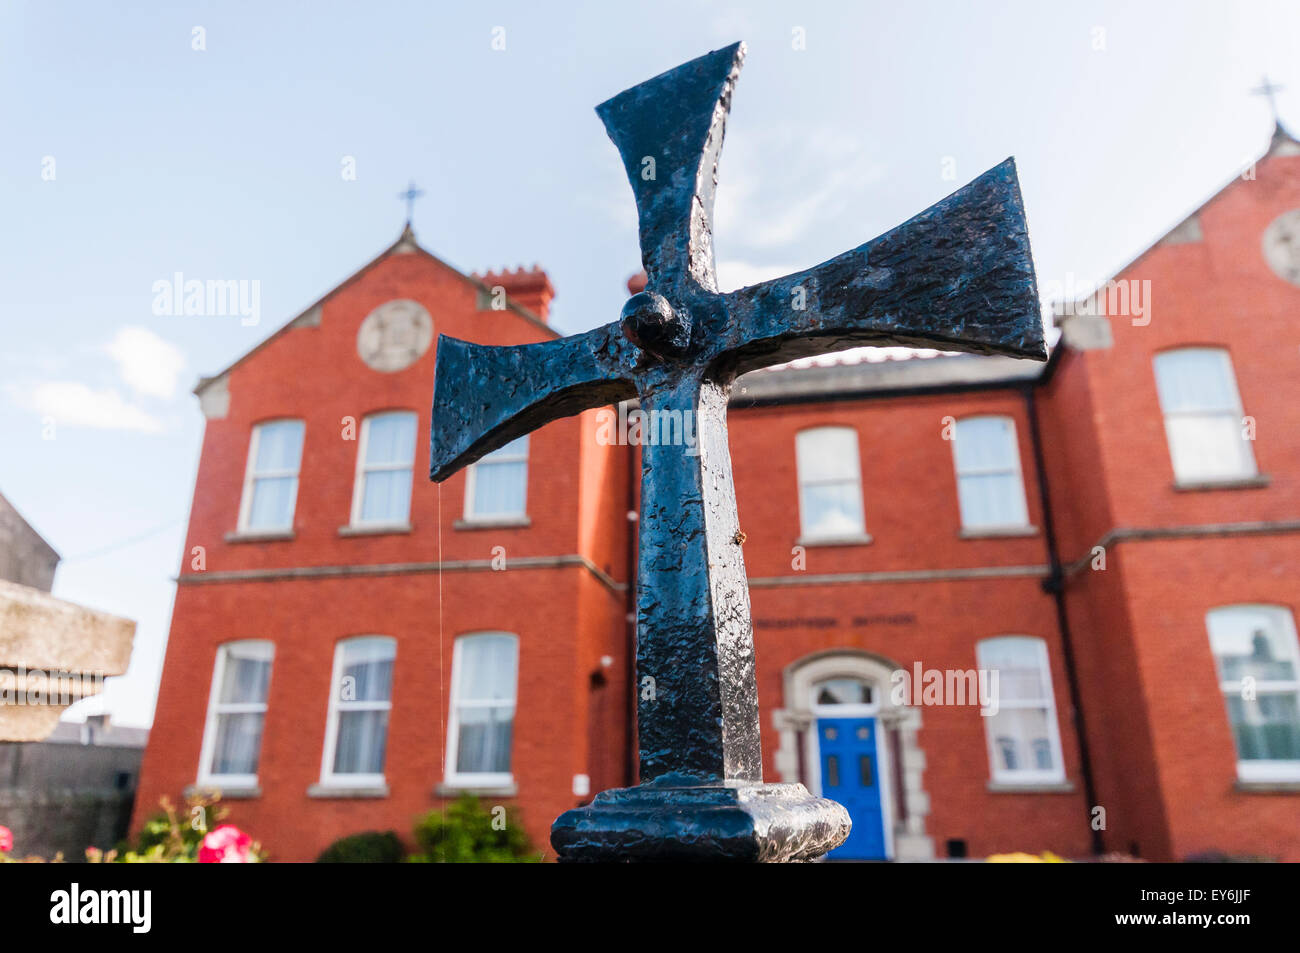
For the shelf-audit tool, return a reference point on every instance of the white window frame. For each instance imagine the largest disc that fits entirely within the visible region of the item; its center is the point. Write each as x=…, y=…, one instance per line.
x=216, y=708
x=1024, y=776
x=471, y=481
x=1249, y=468
x=861, y=532
x=1015, y=470
x=1258, y=769
x=453, y=778
x=363, y=469
x=337, y=705
x=251, y=476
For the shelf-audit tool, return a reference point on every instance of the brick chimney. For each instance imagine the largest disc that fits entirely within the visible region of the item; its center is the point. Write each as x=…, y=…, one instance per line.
x=531, y=289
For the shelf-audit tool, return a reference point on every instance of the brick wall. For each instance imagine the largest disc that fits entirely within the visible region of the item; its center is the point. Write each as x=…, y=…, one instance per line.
x=1161, y=749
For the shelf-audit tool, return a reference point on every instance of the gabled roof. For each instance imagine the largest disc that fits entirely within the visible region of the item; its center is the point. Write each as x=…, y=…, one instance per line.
x=1281, y=143
x=6, y=505
x=406, y=244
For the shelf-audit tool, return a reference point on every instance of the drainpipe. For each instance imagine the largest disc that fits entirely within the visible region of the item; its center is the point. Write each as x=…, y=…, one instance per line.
x=633, y=531
x=1055, y=585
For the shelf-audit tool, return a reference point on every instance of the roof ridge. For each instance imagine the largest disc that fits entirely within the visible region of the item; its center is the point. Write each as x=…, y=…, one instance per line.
x=866, y=354
x=1281, y=143
x=406, y=243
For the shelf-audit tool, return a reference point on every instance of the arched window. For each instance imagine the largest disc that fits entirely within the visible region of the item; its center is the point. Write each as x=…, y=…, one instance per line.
x=842, y=692
x=990, y=487
x=1023, y=738
x=484, y=675
x=232, y=738
x=361, y=698
x=381, y=494
x=830, y=483
x=1203, y=415
x=1258, y=662
x=271, y=477
x=496, y=487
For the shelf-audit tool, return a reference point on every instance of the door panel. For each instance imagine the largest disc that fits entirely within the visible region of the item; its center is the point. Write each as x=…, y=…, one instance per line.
x=851, y=774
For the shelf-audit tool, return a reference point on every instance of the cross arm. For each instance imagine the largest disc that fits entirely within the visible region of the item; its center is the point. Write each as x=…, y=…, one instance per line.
x=485, y=396
x=958, y=276
x=669, y=131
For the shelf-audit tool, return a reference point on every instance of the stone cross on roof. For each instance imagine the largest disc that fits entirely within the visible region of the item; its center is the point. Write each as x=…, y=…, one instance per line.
x=958, y=276
x=1269, y=90
x=409, y=196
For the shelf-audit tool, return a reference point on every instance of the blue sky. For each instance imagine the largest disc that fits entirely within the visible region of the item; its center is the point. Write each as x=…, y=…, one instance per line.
x=227, y=163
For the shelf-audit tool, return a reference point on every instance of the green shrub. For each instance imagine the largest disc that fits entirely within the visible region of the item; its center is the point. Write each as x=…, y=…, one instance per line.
x=169, y=836
x=466, y=833
x=368, y=847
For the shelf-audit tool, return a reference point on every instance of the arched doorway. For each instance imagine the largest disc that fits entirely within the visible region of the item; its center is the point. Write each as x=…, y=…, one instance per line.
x=843, y=736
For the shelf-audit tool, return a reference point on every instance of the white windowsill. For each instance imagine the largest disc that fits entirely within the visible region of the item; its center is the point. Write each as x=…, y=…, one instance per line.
x=1268, y=776
x=345, y=789
x=1289, y=786
x=856, y=539
x=998, y=532
x=374, y=529
x=232, y=792
x=1231, y=483
x=492, y=522
x=456, y=788
x=1031, y=787
x=259, y=535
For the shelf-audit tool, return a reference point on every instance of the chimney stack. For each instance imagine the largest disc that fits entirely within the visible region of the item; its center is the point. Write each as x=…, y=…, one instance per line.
x=531, y=288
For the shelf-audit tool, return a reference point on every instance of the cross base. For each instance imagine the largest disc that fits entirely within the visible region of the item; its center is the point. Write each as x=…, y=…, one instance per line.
x=736, y=821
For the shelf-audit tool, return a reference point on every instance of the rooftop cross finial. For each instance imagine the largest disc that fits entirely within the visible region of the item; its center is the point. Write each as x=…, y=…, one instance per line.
x=410, y=195
x=1266, y=88
x=958, y=276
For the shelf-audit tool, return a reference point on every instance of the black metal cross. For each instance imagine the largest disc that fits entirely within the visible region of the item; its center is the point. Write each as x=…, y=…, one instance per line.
x=410, y=195
x=957, y=277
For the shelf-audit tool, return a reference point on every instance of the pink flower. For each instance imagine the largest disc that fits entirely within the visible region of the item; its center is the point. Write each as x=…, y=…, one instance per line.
x=6, y=839
x=226, y=845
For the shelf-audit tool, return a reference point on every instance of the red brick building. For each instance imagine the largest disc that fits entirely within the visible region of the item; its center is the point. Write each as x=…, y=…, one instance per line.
x=1106, y=545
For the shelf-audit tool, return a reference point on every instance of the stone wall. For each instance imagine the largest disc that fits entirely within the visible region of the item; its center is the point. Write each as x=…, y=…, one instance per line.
x=66, y=797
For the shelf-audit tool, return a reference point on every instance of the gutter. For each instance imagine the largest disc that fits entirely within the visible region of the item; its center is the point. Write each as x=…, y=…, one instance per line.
x=745, y=402
x=1054, y=584
x=633, y=532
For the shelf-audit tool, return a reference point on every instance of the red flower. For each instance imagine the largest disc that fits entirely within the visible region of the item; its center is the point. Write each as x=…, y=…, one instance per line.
x=6, y=839
x=226, y=845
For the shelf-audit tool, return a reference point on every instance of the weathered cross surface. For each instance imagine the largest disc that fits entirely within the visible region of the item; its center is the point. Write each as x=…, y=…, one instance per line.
x=958, y=277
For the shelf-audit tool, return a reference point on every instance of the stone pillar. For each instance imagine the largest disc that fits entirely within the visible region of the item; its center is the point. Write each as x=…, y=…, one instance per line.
x=52, y=653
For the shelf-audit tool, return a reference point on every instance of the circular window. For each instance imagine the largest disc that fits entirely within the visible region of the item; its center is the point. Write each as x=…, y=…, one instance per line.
x=395, y=335
x=1282, y=246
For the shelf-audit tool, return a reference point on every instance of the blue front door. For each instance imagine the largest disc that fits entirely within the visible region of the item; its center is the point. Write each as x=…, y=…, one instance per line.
x=851, y=775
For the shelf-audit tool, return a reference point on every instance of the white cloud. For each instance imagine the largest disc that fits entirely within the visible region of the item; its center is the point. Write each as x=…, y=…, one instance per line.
x=74, y=404
x=741, y=274
x=148, y=364
x=781, y=186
